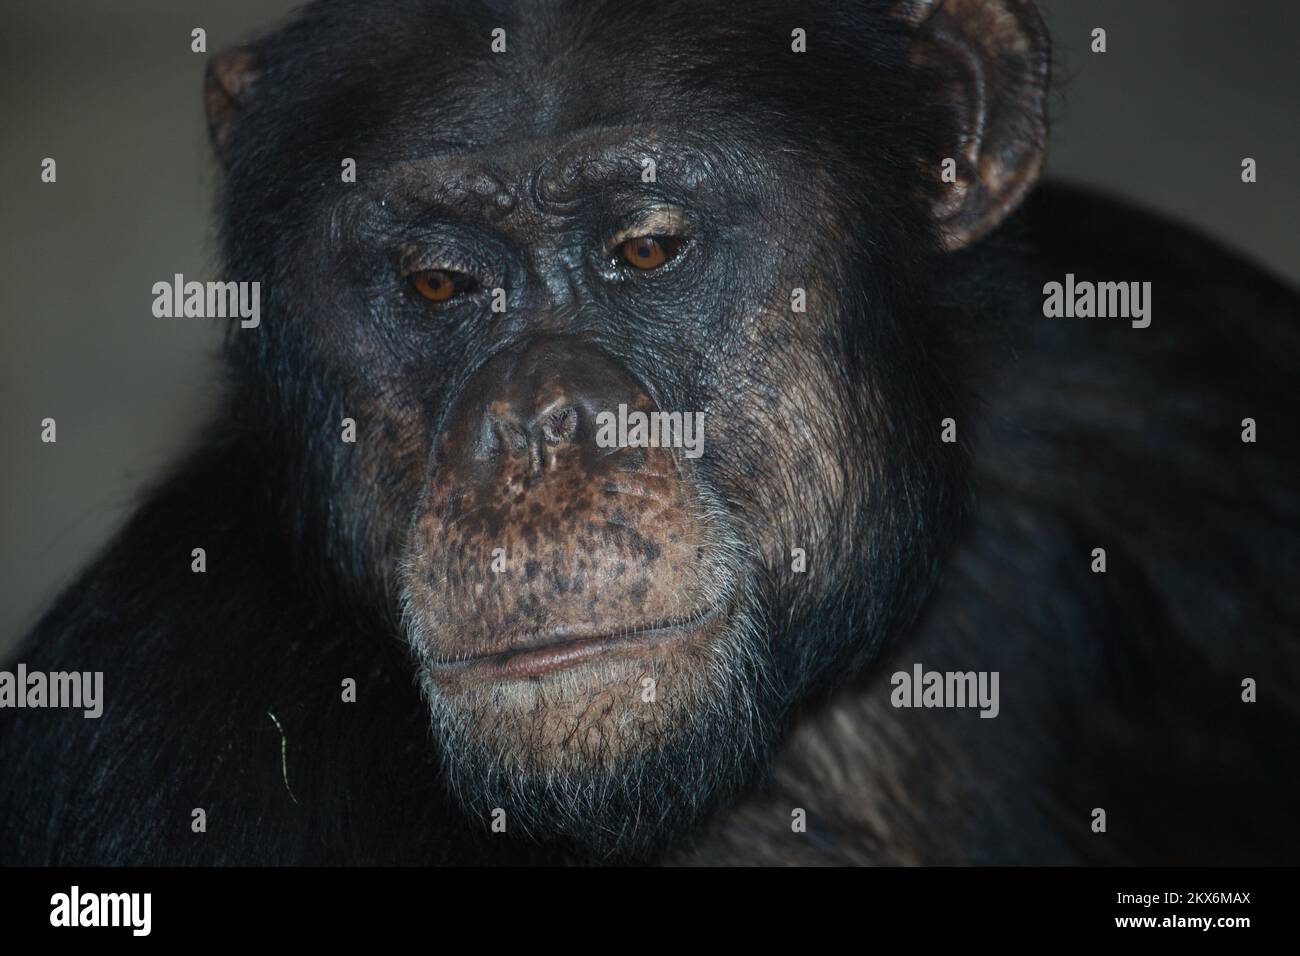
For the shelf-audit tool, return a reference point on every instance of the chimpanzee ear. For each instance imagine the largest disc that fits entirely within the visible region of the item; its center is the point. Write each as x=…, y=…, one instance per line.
x=231, y=76
x=995, y=58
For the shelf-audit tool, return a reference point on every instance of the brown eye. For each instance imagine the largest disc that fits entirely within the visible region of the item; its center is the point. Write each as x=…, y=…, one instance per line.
x=437, y=285
x=647, y=252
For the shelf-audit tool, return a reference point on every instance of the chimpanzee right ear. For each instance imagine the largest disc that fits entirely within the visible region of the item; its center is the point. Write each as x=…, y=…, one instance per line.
x=231, y=76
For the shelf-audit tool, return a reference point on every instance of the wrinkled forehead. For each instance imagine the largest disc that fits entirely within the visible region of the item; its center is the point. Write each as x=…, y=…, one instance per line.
x=555, y=170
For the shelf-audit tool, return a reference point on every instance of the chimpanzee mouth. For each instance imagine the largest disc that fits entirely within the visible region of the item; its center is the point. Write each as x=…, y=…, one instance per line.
x=538, y=655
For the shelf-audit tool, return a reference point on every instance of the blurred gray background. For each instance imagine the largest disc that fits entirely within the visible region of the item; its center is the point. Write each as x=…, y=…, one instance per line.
x=113, y=93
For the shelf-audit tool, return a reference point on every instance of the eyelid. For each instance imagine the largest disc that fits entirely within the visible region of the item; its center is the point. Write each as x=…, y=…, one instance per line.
x=413, y=259
x=415, y=268
x=662, y=221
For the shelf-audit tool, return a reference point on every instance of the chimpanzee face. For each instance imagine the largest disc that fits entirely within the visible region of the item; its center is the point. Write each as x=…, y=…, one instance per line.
x=583, y=610
x=627, y=212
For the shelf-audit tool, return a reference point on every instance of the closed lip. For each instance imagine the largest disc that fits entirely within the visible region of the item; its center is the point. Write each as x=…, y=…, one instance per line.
x=538, y=655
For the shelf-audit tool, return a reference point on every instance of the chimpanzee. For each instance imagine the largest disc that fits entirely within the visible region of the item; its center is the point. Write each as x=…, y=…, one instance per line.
x=456, y=603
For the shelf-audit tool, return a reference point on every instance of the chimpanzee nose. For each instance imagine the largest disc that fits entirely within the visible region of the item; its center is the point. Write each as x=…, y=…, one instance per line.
x=537, y=406
x=557, y=424
x=535, y=530
x=507, y=432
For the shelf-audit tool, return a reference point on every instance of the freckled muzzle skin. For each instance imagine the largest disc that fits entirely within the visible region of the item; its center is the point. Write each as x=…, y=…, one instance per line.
x=530, y=533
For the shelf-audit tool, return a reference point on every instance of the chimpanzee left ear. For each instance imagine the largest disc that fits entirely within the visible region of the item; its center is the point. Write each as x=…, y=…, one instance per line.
x=230, y=79
x=995, y=58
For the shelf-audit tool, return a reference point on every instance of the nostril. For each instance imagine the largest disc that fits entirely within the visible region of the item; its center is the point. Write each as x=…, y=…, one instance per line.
x=559, y=426
x=511, y=438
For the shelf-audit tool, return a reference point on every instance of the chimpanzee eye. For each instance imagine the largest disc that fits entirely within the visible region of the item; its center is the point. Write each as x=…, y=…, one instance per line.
x=649, y=252
x=440, y=285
